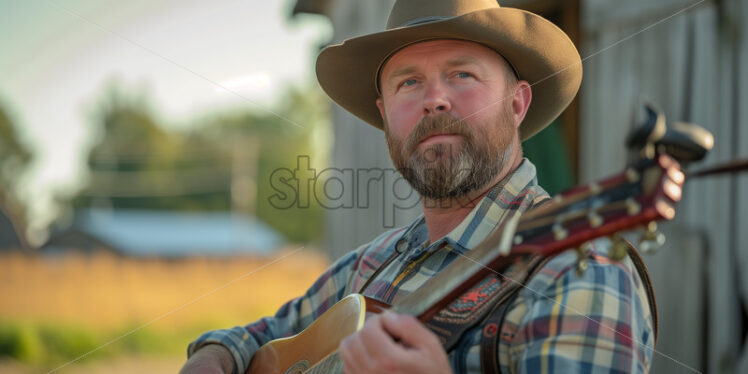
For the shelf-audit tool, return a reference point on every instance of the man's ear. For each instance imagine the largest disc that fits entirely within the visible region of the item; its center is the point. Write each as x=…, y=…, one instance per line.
x=380, y=105
x=521, y=101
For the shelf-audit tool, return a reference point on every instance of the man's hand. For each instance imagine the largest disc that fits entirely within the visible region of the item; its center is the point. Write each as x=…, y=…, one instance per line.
x=210, y=359
x=392, y=343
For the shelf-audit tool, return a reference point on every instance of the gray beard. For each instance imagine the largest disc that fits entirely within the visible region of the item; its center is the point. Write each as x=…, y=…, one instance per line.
x=439, y=174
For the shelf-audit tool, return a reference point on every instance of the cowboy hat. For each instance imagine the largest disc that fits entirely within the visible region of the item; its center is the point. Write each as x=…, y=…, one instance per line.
x=539, y=51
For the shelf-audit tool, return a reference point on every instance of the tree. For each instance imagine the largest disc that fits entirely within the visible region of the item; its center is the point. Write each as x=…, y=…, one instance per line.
x=14, y=156
x=14, y=159
x=300, y=129
x=224, y=163
x=138, y=164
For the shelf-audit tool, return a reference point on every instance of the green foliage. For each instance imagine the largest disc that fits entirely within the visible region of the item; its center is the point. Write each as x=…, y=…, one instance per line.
x=14, y=156
x=280, y=142
x=21, y=342
x=147, y=341
x=137, y=163
x=63, y=343
x=50, y=345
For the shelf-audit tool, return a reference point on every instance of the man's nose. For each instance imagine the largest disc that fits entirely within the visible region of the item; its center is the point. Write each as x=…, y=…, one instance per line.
x=435, y=99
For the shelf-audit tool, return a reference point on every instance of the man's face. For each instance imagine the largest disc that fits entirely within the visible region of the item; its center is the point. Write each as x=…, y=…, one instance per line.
x=449, y=119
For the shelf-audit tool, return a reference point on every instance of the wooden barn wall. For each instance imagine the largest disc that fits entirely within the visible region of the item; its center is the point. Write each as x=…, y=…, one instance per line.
x=362, y=148
x=691, y=63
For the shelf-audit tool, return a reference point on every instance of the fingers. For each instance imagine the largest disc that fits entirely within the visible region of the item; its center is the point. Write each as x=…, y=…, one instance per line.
x=354, y=355
x=422, y=349
x=409, y=331
x=391, y=343
x=369, y=350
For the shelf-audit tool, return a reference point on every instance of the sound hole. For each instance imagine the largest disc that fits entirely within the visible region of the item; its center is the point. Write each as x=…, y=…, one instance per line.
x=299, y=367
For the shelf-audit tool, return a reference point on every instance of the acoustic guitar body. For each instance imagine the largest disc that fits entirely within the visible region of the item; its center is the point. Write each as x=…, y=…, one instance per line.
x=306, y=351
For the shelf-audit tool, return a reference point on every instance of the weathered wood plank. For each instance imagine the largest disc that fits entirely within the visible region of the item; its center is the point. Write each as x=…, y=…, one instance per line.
x=602, y=15
x=680, y=65
x=679, y=279
x=739, y=9
x=359, y=147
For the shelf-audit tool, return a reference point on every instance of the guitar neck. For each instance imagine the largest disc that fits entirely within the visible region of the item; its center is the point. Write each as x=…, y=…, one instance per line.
x=625, y=201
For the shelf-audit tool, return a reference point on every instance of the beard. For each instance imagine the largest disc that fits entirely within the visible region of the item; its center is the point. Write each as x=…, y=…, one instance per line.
x=442, y=171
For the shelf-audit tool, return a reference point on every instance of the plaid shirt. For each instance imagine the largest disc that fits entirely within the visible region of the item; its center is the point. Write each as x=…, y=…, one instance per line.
x=560, y=322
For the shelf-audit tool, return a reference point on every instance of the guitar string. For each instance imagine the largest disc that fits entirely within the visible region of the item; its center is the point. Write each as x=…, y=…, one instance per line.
x=185, y=305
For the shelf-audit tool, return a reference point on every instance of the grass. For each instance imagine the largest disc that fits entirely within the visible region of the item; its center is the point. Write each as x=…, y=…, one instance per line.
x=55, y=309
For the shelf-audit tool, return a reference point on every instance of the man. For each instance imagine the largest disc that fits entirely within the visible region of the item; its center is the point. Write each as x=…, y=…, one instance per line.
x=449, y=82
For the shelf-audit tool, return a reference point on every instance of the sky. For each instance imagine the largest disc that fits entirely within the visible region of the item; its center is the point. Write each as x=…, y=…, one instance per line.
x=58, y=56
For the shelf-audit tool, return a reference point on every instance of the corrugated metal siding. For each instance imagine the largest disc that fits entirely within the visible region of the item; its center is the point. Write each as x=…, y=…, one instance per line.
x=692, y=66
x=739, y=12
x=362, y=148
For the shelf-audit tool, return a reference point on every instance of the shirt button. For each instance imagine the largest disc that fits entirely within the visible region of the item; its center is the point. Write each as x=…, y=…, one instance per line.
x=401, y=246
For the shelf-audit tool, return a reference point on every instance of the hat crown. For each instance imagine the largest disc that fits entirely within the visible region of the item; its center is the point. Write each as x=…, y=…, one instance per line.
x=410, y=12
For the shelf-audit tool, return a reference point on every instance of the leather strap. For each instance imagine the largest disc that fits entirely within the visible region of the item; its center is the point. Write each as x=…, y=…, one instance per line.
x=473, y=306
x=641, y=268
x=489, y=343
x=384, y=265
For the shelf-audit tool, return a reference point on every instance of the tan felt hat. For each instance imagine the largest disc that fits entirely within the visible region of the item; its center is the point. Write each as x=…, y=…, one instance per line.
x=539, y=51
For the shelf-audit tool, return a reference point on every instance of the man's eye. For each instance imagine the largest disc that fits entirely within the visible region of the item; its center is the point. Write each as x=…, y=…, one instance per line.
x=463, y=75
x=409, y=82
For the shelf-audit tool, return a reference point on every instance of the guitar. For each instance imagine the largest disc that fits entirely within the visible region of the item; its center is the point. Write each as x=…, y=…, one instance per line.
x=638, y=197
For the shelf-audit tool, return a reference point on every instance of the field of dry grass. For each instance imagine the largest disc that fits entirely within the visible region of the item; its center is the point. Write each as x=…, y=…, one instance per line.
x=107, y=295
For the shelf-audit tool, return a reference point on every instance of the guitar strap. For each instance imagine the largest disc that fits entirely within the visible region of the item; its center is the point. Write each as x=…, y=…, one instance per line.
x=489, y=344
x=641, y=268
x=475, y=305
x=491, y=333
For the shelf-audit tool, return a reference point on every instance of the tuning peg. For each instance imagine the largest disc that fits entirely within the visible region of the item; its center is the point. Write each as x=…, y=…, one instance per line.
x=594, y=219
x=559, y=232
x=618, y=248
x=582, y=254
x=651, y=239
x=650, y=127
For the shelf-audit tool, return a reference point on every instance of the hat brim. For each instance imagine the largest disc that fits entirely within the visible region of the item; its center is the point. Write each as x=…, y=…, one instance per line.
x=540, y=52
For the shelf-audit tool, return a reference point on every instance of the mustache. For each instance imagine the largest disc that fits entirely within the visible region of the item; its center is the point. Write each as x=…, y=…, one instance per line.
x=433, y=125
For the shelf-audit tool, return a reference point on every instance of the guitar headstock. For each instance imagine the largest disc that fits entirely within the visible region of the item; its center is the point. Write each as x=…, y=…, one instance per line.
x=643, y=194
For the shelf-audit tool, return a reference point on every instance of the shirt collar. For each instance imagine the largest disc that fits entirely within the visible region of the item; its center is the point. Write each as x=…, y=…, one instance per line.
x=500, y=203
